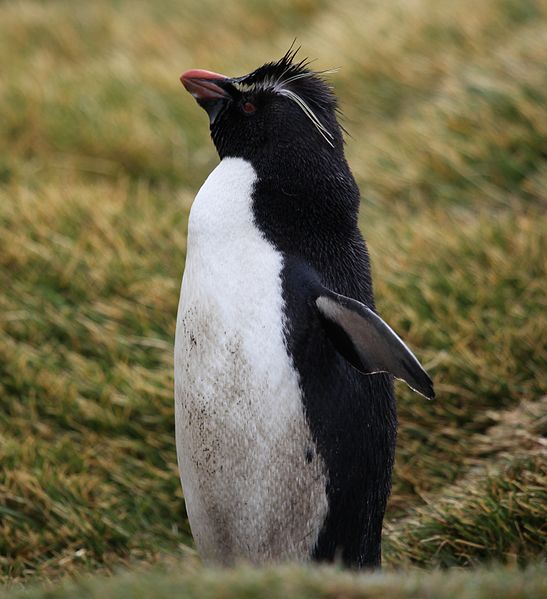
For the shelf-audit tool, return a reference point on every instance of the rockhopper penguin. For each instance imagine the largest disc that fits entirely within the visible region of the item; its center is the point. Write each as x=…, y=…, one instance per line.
x=284, y=404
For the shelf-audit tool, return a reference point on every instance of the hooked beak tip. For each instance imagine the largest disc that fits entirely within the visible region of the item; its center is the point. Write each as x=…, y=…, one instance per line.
x=201, y=84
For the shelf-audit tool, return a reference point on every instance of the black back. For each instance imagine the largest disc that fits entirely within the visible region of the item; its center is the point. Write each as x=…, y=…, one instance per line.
x=306, y=203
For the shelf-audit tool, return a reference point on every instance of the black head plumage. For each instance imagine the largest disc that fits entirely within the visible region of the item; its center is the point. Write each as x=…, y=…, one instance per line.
x=279, y=106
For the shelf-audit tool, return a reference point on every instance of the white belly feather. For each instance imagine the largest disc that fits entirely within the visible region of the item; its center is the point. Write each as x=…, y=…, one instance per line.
x=242, y=439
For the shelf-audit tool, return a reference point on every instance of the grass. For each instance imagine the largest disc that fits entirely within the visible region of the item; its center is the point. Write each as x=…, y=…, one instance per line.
x=305, y=583
x=101, y=153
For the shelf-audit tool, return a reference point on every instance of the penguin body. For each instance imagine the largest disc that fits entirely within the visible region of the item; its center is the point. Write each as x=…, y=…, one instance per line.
x=285, y=412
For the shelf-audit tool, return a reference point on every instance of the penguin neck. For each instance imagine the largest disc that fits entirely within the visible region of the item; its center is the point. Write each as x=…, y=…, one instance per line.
x=306, y=202
x=300, y=169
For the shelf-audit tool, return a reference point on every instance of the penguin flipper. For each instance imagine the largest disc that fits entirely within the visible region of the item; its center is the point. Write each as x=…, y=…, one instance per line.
x=369, y=343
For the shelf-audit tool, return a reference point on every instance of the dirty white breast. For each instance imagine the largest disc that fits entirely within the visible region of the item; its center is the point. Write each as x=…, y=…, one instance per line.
x=254, y=485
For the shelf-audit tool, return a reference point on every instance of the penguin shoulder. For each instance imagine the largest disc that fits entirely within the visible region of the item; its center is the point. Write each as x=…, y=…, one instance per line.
x=358, y=333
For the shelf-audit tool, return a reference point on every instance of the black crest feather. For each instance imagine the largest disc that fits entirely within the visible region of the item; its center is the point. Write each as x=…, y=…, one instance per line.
x=293, y=74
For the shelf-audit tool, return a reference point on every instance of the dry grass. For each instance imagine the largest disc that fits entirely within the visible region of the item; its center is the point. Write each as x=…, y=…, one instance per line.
x=100, y=156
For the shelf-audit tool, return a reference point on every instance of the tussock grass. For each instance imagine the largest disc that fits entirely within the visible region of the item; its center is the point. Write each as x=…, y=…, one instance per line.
x=301, y=583
x=101, y=153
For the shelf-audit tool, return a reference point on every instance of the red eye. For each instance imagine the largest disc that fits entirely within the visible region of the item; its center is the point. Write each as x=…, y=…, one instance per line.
x=249, y=107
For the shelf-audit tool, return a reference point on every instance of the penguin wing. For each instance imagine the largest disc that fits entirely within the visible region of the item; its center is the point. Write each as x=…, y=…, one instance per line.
x=368, y=343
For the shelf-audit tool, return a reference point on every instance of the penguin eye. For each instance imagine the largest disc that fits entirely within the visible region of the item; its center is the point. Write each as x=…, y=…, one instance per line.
x=248, y=107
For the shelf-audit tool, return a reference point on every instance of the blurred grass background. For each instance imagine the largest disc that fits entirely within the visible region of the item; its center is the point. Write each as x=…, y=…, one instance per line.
x=101, y=154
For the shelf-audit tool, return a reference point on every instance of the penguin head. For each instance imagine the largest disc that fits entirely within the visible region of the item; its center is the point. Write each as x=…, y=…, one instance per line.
x=282, y=108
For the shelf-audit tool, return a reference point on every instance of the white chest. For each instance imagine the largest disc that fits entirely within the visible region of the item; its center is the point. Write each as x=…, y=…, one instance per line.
x=242, y=439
